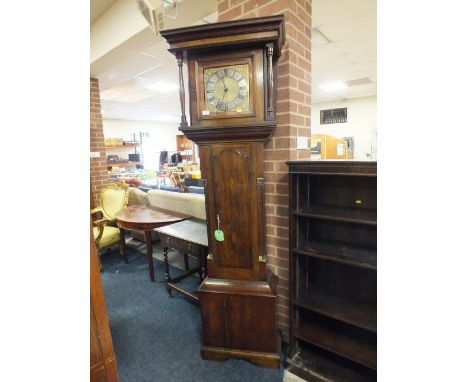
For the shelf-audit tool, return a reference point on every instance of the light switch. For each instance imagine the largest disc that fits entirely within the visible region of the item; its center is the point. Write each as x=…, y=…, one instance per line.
x=301, y=143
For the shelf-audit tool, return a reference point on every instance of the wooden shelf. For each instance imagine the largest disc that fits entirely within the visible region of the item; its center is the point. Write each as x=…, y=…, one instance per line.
x=348, y=215
x=339, y=342
x=333, y=246
x=354, y=255
x=121, y=146
x=311, y=364
x=124, y=164
x=340, y=308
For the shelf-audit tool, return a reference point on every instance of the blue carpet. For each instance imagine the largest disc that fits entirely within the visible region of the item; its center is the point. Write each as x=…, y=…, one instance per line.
x=157, y=338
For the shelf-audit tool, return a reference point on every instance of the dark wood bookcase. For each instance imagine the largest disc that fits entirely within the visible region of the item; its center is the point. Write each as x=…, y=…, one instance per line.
x=333, y=270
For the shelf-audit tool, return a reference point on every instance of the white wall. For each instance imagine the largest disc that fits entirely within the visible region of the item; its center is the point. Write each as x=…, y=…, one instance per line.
x=161, y=137
x=361, y=125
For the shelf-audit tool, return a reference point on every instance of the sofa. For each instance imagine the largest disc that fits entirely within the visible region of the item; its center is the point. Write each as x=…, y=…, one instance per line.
x=187, y=203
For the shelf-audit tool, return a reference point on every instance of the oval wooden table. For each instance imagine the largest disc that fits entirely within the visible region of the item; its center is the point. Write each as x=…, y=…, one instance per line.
x=141, y=217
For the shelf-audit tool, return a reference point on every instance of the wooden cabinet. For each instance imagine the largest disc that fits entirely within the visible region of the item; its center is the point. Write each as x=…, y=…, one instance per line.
x=333, y=270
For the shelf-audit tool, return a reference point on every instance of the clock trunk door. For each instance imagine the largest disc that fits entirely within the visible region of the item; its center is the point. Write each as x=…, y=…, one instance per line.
x=233, y=196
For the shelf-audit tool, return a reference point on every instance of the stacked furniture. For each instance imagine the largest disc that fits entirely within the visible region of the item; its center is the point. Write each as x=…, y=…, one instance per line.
x=333, y=270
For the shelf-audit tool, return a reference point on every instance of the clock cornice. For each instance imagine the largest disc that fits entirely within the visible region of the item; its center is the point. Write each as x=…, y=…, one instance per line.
x=247, y=32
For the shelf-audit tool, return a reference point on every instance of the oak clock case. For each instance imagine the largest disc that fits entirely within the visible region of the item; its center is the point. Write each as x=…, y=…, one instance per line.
x=231, y=83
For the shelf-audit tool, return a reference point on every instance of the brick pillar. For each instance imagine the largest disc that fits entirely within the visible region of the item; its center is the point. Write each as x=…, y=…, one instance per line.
x=293, y=116
x=98, y=169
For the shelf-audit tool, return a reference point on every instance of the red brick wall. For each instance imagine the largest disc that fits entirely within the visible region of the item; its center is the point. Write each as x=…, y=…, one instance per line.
x=293, y=116
x=98, y=169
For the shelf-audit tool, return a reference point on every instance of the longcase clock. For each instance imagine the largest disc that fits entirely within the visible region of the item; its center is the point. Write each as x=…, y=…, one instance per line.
x=232, y=90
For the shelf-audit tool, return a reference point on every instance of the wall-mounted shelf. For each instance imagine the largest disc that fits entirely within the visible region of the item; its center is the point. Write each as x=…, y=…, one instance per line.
x=124, y=164
x=121, y=146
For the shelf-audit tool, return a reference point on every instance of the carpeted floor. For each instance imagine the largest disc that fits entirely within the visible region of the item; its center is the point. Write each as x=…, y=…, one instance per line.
x=157, y=338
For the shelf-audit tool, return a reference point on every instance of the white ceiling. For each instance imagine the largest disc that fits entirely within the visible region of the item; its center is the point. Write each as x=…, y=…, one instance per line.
x=349, y=26
x=131, y=77
x=99, y=7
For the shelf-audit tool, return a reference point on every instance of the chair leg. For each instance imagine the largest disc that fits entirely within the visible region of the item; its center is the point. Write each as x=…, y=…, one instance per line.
x=122, y=246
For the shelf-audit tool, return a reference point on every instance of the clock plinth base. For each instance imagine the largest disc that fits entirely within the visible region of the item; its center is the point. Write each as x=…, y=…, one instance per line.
x=239, y=321
x=267, y=360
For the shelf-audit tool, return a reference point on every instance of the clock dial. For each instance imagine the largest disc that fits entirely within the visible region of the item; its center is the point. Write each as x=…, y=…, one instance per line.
x=226, y=89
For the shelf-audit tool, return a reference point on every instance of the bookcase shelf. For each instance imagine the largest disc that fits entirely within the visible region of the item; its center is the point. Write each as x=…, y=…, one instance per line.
x=349, y=215
x=333, y=270
x=340, y=342
x=350, y=311
x=342, y=253
x=313, y=364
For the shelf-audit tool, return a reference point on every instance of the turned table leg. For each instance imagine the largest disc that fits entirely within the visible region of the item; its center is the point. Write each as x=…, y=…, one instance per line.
x=123, y=251
x=201, y=266
x=167, y=277
x=149, y=253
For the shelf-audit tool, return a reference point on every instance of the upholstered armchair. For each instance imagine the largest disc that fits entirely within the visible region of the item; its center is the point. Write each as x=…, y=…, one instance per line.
x=113, y=198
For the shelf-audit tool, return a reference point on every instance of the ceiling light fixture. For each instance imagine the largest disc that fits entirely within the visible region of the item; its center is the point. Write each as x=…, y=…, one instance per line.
x=333, y=86
x=163, y=87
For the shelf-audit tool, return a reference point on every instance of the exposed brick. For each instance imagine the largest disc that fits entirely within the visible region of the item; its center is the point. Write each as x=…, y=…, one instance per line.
x=281, y=143
x=282, y=211
x=282, y=200
x=273, y=8
x=98, y=168
x=232, y=13
x=280, y=166
x=223, y=6
x=282, y=189
x=268, y=166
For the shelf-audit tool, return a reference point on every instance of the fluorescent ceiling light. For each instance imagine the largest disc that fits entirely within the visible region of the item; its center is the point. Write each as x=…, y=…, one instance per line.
x=333, y=86
x=163, y=87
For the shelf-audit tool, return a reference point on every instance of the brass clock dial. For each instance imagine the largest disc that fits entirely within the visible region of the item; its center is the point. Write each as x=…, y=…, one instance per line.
x=227, y=89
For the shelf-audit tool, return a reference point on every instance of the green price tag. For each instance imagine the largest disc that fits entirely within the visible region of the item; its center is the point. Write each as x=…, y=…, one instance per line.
x=219, y=235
